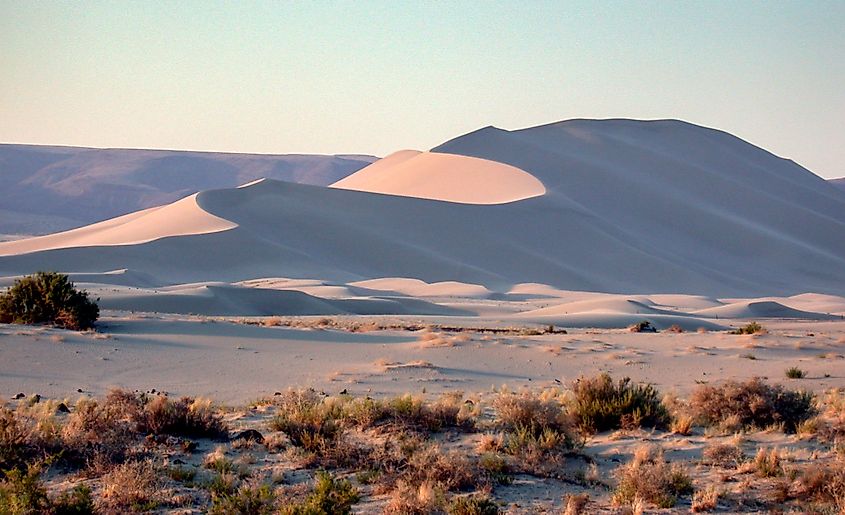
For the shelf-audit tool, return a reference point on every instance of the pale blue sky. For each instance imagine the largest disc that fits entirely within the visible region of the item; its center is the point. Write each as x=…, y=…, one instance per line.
x=374, y=77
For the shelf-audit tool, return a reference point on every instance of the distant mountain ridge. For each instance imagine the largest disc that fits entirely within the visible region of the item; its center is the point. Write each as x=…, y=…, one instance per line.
x=53, y=188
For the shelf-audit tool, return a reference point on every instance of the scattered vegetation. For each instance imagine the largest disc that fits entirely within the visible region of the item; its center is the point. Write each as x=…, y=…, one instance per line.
x=751, y=404
x=132, y=452
x=48, y=298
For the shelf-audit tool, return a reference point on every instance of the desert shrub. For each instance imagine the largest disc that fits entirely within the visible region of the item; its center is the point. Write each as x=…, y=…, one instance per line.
x=48, y=298
x=795, y=373
x=183, y=417
x=130, y=486
x=330, y=496
x=649, y=477
x=15, y=445
x=750, y=328
x=496, y=468
x=536, y=430
x=22, y=492
x=409, y=499
x=643, y=326
x=599, y=404
x=97, y=431
x=705, y=500
x=752, y=403
x=726, y=455
x=767, y=463
x=76, y=501
x=249, y=499
x=675, y=328
x=825, y=484
x=472, y=505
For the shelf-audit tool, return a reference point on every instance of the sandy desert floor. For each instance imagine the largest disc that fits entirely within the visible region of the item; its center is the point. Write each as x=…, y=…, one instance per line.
x=236, y=361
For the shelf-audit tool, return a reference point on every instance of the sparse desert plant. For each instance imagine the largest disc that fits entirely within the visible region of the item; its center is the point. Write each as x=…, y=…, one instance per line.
x=75, y=501
x=705, y=500
x=575, y=503
x=472, y=505
x=330, y=495
x=726, y=455
x=411, y=499
x=824, y=484
x=675, y=328
x=22, y=492
x=536, y=430
x=249, y=499
x=130, y=486
x=795, y=373
x=750, y=328
x=496, y=468
x=643, y=326
x=599, y=404
x=649, y=477
x=752, y=403
x=767, y=462
x=681, y=425
x=183, y=417
x=48, y=298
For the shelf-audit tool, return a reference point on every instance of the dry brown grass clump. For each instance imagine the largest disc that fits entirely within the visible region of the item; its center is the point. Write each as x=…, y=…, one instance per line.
x=824, y=484
x=725, y=455
x=132, y=486
x=183, y=417
x=649, y=477
x=751, y=404
x=705, y=500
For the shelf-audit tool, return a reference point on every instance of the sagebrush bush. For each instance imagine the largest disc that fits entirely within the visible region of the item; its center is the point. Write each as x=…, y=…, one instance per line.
x=752, y=403
x=48, y=298
x=649, y=477
x=599, y=404
x=472, y=505
x=536, y=430
x=330, y=495
x=750, y=328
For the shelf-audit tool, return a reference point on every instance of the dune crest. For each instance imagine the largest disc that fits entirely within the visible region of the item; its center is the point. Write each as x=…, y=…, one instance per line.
x=447, y=177
x=181, y=218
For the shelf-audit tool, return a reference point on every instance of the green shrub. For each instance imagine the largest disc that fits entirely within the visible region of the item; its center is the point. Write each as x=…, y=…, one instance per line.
x=247, y=500
x=750, y=328
x=48, y=298
x=23, y=492
x=76, y=501
x=795, y=373
x=753, y=403
x=473, y=505
x=599, y=404
x=330, y=497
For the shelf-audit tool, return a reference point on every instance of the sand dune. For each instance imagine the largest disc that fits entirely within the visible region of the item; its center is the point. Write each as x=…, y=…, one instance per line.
x=452, y=178
x=182, y=218
x=49, y=189
x=629, y=207
x=761, y=309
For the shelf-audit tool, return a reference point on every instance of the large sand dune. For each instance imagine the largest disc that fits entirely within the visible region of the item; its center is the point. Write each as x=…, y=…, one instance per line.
x=448, y=177
x=629, y=207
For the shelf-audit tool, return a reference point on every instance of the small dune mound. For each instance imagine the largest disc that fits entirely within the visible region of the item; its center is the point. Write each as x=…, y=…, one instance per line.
x=448, y=177
x=182, y=218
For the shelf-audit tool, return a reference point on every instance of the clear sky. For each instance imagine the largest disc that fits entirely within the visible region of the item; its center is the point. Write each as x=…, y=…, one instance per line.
x=374, y=77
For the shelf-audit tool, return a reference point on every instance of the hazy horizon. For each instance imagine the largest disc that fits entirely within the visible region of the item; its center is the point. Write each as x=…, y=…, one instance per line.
x=376, y=77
